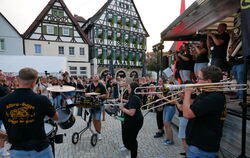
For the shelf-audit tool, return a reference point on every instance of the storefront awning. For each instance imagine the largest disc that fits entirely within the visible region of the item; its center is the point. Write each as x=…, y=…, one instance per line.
x=201, y=16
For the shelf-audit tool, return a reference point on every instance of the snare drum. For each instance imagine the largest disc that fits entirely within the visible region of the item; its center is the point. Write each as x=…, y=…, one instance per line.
x=89, y=102
x=66, y=118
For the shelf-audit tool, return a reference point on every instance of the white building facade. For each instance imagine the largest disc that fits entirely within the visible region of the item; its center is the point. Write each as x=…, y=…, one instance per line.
x=11, y=42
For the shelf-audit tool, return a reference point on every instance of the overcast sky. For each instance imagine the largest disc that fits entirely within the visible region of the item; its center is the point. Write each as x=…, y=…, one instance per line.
x=156, y=14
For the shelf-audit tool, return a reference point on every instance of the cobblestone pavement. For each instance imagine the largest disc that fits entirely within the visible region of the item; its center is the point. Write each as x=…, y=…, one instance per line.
x=108, y=147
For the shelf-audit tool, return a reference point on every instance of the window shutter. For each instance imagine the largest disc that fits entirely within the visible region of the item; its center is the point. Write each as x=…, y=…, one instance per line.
x=54, y=12
x=71, y=32
x=56, y=30
x=60, y=31
x=60, y=13
x=44, y=29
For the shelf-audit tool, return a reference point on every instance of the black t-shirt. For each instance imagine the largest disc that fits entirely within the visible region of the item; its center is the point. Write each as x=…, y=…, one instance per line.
x=186, y=65
x=202, y=58
x=98, y=89
x=23, y=114
x=133, y=103
x=220, y=52
x=3, y=91
x=205, y=130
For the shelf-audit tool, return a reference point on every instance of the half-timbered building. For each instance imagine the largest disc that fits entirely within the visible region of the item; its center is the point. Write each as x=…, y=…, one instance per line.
x=119, y=39
x=56, y=32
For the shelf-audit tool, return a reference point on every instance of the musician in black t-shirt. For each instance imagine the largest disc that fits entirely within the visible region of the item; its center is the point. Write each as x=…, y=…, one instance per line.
x=97, y=87
x=133, y=120
x=201, y=56
x=23, y=114
x=220, y=42
x=206, y=116
x=185, y=63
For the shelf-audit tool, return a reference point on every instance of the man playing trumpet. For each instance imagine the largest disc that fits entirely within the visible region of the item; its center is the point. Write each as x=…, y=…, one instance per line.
x=206, y=116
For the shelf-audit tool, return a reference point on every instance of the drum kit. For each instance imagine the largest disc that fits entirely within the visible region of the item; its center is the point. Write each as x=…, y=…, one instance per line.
x=66, y=120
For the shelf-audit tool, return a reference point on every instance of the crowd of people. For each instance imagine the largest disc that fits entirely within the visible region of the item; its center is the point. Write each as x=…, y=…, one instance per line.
x=25, y=101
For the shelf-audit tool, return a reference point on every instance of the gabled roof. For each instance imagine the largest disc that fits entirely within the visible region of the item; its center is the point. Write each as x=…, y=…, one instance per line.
x=97, y=15
x=44, y=12
x=10, y=24
x=200, y=17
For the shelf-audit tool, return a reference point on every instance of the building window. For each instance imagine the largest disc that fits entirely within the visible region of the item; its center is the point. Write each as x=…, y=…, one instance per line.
x=66, y=31
x=57, y=12
x=73, y=70
x=83, y=70
x=38, y=49
x=82, y=51
x=71, y=50
x=61, y=50
x=2, y=44
x=50, y=30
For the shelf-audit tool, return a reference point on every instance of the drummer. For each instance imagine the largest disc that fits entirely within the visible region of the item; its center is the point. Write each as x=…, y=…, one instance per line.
x=97, y=87
x=22, y=113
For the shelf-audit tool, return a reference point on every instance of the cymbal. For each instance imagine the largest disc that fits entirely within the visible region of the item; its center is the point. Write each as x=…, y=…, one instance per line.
x=92, y=93
x=80, y=90
x=61, y=88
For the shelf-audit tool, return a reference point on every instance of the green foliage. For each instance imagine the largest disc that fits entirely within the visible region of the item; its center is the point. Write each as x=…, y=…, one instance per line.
x=120, y=22
x=151, y=64
x=101, y=36
x=128, y=60
x=102, y=60
x=111, y=20
x=119, y=58
x=136, y=26
x=109, y=57
x=135, y=60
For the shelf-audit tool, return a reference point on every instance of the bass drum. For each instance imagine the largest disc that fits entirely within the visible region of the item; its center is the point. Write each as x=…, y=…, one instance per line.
x=66, y=119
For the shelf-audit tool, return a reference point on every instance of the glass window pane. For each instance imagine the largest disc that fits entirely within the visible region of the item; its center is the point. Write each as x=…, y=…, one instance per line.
x=38, y=49
x=71, y=50
x=82, y=51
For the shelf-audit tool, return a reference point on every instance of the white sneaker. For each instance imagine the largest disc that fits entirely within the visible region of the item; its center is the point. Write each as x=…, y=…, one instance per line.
x=99, y=136
x=123, y=148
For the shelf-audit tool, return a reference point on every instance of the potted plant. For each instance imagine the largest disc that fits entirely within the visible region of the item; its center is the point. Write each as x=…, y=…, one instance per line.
x=135, y=60
x=119, y=21
x=128, y=23
x=128, y=60
x=119, y=58
x=135, y=24
x=101, y=58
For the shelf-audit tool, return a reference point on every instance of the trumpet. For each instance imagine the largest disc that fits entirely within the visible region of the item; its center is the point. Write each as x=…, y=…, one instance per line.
x=208, y=87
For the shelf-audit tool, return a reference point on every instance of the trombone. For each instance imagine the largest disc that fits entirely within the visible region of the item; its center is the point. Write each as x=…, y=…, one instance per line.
x=206, y=87
x=168, y=100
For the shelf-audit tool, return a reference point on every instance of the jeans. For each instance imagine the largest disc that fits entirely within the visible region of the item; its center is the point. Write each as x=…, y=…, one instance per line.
x=238, y=72
x=194, y=152
x=57, y=101
x=168, y=113
x=46, y=153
